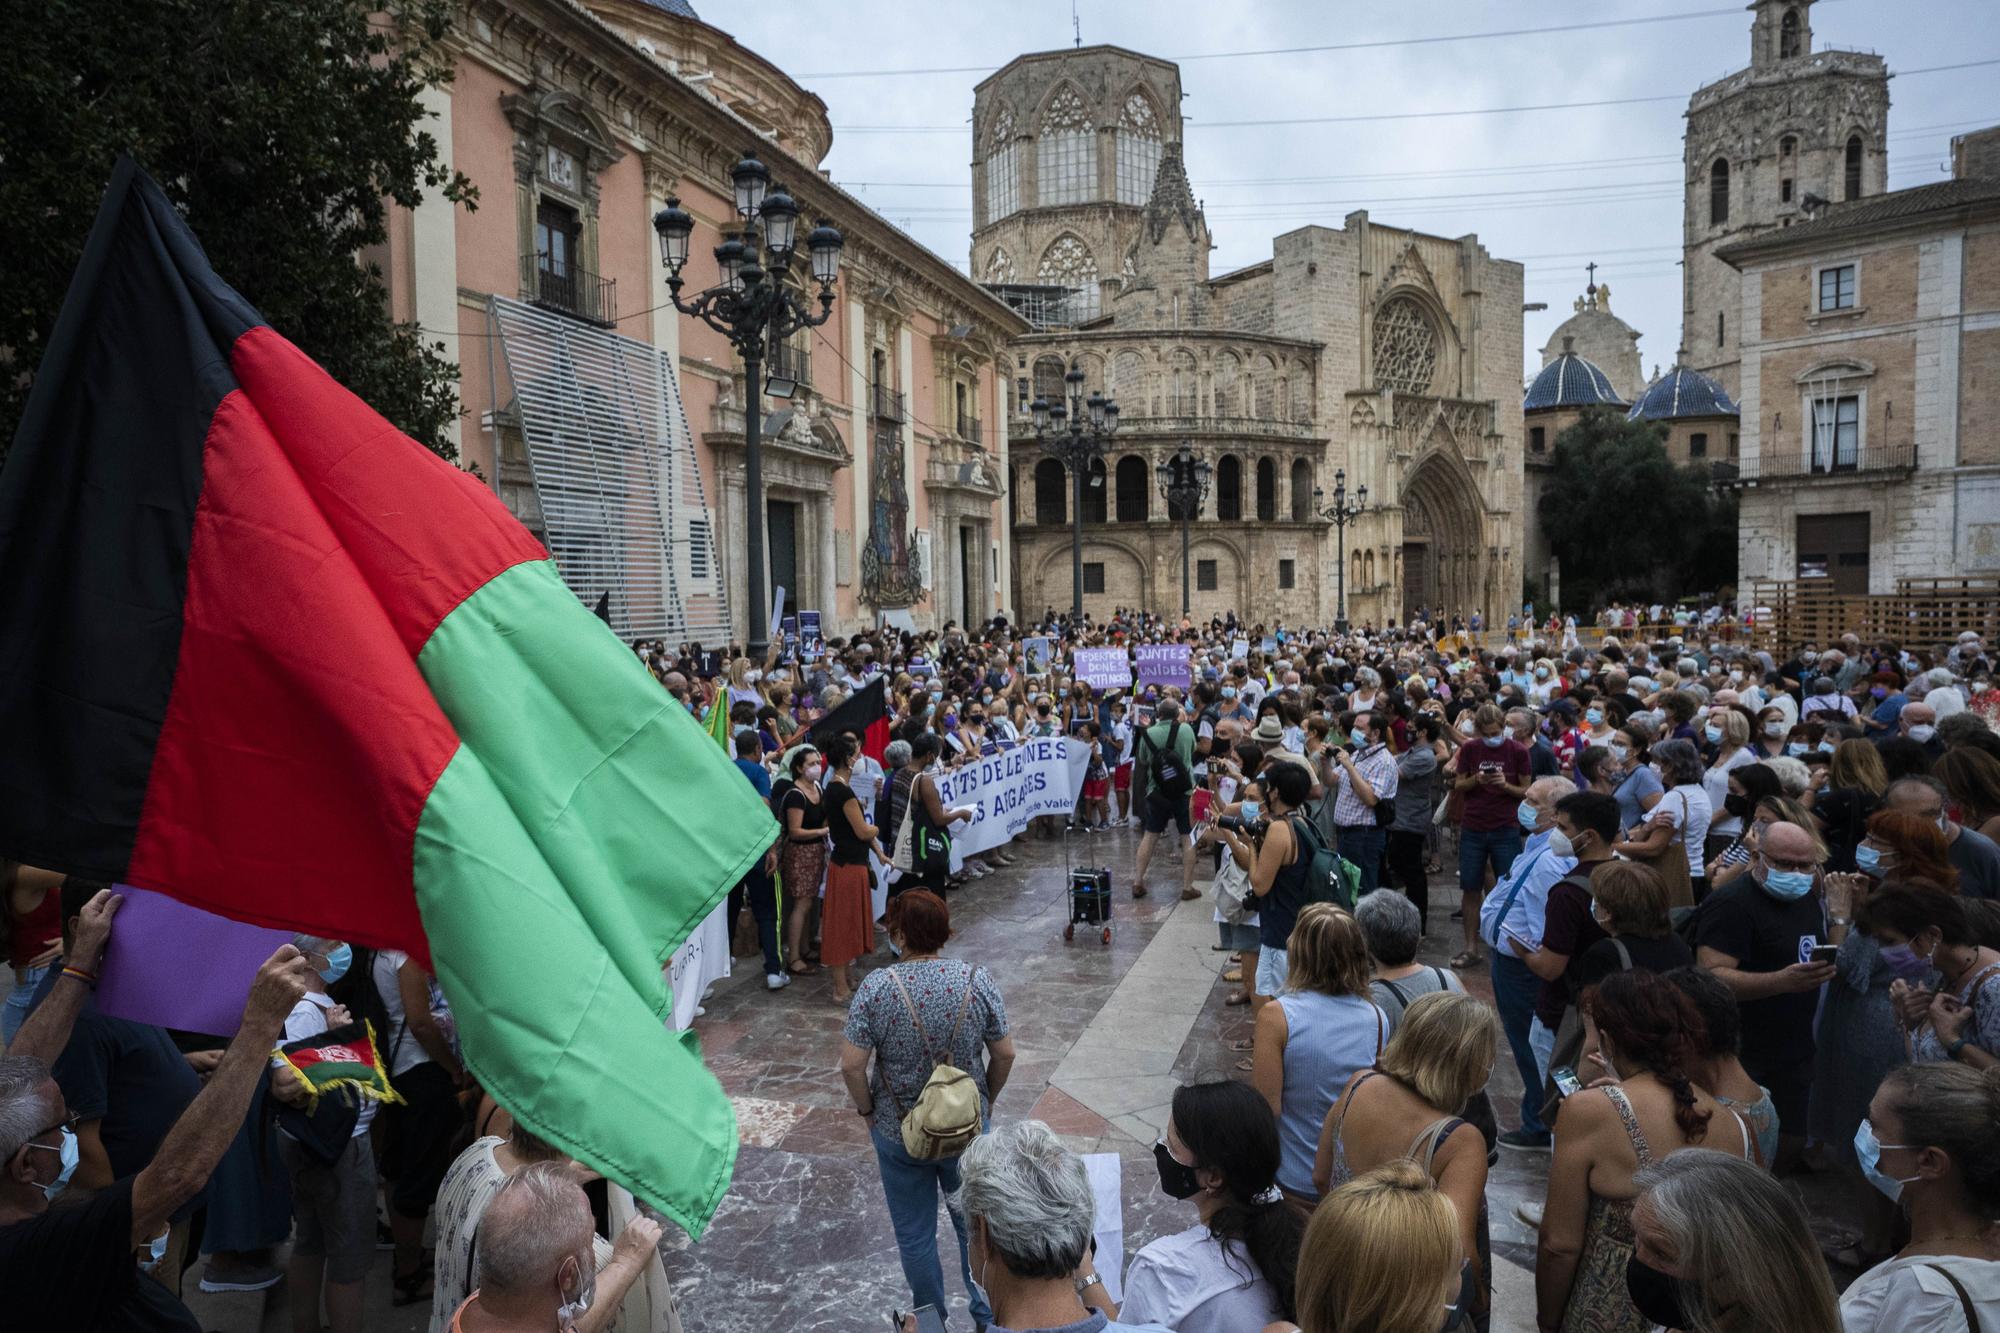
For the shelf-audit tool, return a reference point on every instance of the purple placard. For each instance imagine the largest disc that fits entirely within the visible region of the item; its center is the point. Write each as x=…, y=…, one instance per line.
x=1103, y=668
x=1163, y=664
x=176, y=966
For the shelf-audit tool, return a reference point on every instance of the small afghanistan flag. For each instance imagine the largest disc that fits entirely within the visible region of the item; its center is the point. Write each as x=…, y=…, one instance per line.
x=342, y=1057
x=261, y=652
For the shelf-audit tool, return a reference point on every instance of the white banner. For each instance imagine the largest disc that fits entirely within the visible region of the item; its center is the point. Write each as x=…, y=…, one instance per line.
x=1011, y=787
x=700, y=962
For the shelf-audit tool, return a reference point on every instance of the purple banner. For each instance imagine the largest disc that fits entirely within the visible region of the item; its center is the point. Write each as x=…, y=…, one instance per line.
x=176, y=966
x=1163, y=664
x=1102, y=668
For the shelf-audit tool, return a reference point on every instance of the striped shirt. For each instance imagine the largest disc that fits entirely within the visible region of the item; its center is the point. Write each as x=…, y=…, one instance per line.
x=1378, y=766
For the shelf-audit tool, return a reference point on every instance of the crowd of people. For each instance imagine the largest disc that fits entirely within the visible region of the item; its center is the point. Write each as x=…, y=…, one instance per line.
x=1734, y=907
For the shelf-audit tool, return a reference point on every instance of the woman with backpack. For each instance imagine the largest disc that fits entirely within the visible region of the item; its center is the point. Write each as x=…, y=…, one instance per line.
x=916, y=1017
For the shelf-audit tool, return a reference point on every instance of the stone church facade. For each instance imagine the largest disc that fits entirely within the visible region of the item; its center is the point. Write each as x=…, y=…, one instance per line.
x=1387, y=354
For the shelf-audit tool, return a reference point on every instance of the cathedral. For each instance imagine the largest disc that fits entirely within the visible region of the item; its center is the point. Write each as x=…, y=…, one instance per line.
x=1365, y=354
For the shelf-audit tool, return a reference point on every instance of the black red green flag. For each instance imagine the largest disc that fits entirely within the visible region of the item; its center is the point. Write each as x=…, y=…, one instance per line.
x=865, y=713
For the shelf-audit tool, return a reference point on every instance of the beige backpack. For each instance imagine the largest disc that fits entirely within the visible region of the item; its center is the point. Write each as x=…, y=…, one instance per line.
x=945, y=1120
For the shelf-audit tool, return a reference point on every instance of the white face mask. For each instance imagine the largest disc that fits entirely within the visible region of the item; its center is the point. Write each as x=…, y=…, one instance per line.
x=571, y=1310
x=812, y=772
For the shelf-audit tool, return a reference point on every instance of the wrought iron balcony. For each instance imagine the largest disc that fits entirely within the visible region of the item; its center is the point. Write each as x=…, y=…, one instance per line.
x=788, y=362
x=1793, y=461
x=969, y=428
x=888, y=405
x=569, y=290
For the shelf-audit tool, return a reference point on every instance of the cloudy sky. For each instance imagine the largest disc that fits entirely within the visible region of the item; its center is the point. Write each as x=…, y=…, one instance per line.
x=1552, y=188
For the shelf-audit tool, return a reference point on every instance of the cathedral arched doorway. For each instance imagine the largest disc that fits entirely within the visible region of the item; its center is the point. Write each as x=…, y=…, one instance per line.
x=1443, y=542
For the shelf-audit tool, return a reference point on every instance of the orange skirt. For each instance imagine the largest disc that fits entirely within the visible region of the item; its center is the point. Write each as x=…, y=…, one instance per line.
x=846, y=916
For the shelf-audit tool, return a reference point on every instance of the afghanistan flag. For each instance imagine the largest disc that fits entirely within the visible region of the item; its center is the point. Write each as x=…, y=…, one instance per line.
x=263, y=653
x=342, y=1057
x=865, y=713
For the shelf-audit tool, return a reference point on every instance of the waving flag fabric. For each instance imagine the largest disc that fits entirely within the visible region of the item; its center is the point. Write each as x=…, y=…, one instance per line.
x=865, y=713
x=263, y=653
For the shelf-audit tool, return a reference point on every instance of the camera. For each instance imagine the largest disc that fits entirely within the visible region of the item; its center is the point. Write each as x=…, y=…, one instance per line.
x=1236, y=823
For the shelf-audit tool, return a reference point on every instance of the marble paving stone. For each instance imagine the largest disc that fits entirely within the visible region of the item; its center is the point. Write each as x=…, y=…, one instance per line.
x=763, y=1123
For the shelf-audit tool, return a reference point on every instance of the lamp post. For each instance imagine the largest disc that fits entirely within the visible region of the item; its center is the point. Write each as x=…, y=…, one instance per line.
x=752, y=307
x=1340, y=513
x=1184, y=485
x=1075, y=435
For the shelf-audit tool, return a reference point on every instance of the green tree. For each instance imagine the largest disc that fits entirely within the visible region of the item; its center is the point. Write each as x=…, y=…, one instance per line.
x=1624, y=520
x=280, y=128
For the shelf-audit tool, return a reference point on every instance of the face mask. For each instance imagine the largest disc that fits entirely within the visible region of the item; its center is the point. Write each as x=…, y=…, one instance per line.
x=67, y=1154
x=1878, y=692
x=1922, y=732
x=1870, y=1154
x=1655, y=1295
x=1868, y=860
x=1229, y=692
x=1736, y=805
x=1347, y=687
x=752, y=677
x=1594, y=716
x=1528, y=815
x=1788, y=885
x=338, y=960
x=1775, y=729
x=1177, y=1179
x=1714, y=735
x=1560, y=844
x=1466, y=727
x=1621, y=752
x=1583, y=673
x=1250, y=809
x=1495, y=742
x=1904, y=962
x=1541, y=673
x=571, y=1310
x=1358, y=736
x=1736, y=678
x=1944, y=824
x=813, y=771
x=156, y=1250
x=1796, y=748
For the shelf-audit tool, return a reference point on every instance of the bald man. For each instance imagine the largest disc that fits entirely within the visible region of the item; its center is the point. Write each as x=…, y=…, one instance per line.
x=535, y=1260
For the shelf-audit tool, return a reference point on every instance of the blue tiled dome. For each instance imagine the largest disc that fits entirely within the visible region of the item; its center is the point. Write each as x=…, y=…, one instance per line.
x=1682, y=393
x=1570, y=381
x=680, y=7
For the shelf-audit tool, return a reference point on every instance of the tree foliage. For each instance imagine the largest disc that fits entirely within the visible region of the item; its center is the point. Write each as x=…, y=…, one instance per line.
x=1624, y=520
x=280, y=128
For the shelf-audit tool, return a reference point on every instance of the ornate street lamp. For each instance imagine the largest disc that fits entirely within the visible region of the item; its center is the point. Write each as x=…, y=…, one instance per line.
x=1184, y=485
x=1340, y=513
x=1076, y=436
x=753, y=307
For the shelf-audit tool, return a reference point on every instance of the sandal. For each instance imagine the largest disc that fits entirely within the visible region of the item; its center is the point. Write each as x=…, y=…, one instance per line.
x=1244, y=1066
x=801, y=969
x=1236, y=1000
x=1241, y=1047
x=1234, y=974
x=1468, y=958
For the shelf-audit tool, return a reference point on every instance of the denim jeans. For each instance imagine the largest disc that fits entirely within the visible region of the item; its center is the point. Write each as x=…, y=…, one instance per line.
x=1515, y=989
x=912, y=1188
x=762, y=895
x=1477, y=848
x=1362, y=844
x=1542, y=1040
x=20, y=998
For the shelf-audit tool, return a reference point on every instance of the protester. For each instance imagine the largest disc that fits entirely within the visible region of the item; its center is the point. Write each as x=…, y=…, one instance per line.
x=918, y=1011
x=1362, y=780
x=1410, y=828
x=1382, y=1254
x=1720, y=1247
x=31, y=913
x=1238, y=1267
x=1438, y=1060
x=1491, y=777
x=1674, y=835
x=1718, y=1066
x=1392, y=929
x=1322, y=1029
x=419, y=1132
x=1165, y=758
x=1947, y=992
x=1277, y=868
x=1974, y=856
x=847, y=927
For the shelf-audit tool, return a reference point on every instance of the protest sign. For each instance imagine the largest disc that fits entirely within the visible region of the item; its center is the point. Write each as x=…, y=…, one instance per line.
x=1163, y=664
x=788, y=628
x=1006, y=790
x=811, y=642
x=1035, y=654
x=176, y=966
x=1239, y=649
x=1268, y=645
x=1103, y=668
x=700, y=962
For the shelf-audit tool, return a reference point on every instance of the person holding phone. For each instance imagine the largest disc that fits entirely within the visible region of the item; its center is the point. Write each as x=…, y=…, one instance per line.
x=1491, y=776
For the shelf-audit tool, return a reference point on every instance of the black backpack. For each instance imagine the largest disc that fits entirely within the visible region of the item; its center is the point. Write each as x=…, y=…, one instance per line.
x=1166, y=773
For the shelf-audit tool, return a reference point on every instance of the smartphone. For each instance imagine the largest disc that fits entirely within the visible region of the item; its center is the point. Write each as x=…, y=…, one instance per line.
x=1824, y=953
x=1566, y=1081
x=928, y=1320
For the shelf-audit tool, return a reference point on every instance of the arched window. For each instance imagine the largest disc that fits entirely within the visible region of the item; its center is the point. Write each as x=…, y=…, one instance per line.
x=1051, y=505
x=1368, y=569
x=1066, y=155
x=1093, y=492
x=1049, y=386
x=1354, y=582
x=1013, y=496
x=1138, y=150
x=1718, y=193
x=1068, y=263
x=1003, y=167
x=1226, y=390
x=1788, y=35
x=1302, y=397
x=1302, y=487
x=1851, y=188
x=1263, y=383
x=999, y=266
x=1406, y=347
x=1267, y=490
x=1128, y=384
x=1182, y=383
x=1229, y=488
x=1134, y=480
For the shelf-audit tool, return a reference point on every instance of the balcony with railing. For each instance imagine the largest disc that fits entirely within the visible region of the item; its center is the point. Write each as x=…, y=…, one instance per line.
x=887, y=404
x=1797, y=463
x=569, y=290
x=970, y=429
x=789, y=362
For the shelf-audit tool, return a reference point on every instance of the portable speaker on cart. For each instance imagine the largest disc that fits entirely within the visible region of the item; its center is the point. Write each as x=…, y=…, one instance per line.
x=1089, y=893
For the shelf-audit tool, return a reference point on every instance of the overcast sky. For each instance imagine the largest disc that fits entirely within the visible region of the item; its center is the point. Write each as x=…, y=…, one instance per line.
x=1554, y=189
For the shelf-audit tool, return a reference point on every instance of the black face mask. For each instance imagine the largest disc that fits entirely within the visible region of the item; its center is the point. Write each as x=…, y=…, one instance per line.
x=1736, y=805
x=1176, y=1181
x=1654, y=1294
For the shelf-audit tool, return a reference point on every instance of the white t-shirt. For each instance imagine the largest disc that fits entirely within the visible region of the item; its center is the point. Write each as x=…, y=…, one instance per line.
x=1191, y=1283
x=1716, y=783
x=308, y=1019
x=1691, y=800
x=1121, y=736
x=1909, y=1296
x=408, y=1052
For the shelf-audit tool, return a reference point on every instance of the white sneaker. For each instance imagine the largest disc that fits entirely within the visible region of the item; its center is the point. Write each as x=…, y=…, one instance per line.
x=776, y=981
x=1530, y=1211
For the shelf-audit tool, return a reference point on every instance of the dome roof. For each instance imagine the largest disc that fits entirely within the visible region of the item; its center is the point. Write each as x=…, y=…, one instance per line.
x=1682, y=393
x=1570, y=381
x=678, y=7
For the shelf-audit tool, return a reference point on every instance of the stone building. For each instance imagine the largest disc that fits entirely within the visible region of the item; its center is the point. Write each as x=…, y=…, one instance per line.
x=1569, y=385
x=1871, y=385
x=1389, y=354
x=1799, y=126
x=613, y=425
x=1602, y=339
x=1697, y=415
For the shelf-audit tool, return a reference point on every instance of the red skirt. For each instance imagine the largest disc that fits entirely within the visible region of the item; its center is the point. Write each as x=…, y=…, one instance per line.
x=846, y=916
